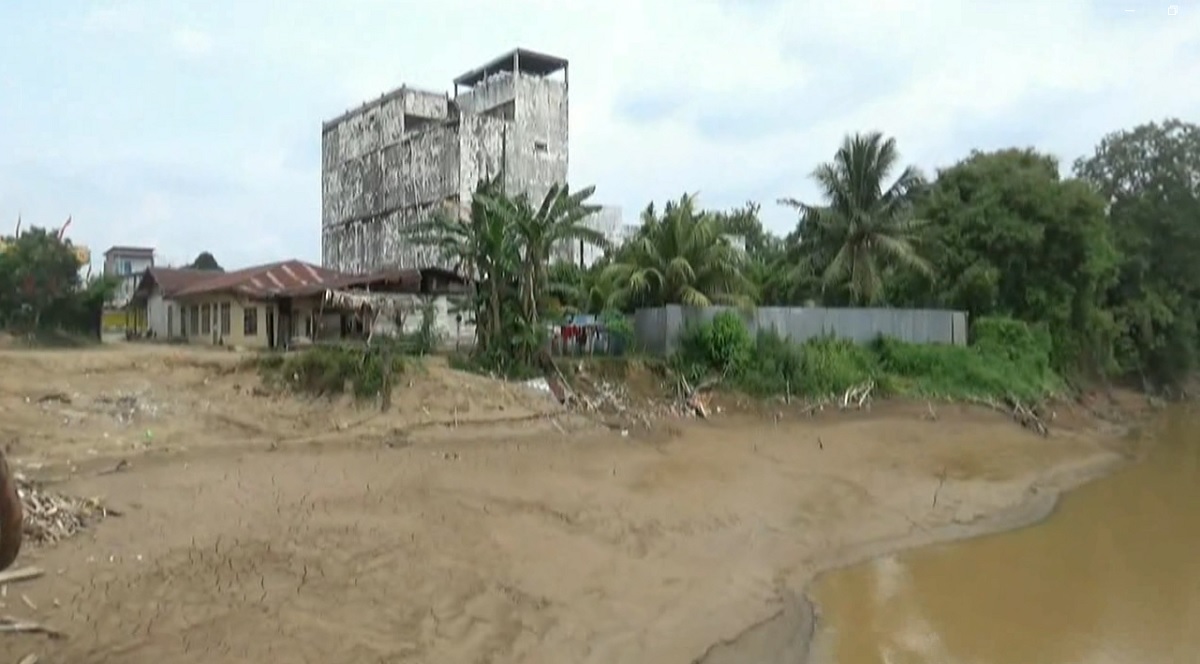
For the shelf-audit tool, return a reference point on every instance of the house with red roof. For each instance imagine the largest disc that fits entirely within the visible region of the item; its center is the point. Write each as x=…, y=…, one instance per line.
x=265, y=306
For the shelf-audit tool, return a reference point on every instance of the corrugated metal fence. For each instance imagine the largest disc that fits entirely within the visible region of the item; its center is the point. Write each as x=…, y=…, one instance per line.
x=657, y=330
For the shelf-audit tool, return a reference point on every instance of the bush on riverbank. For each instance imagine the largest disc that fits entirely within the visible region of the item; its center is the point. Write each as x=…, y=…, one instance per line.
x=1007, y=358
x=331, y=370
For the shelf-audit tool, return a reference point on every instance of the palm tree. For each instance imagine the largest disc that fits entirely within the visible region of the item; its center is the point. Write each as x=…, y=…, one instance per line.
x=681, y=257
x=559, y=219
x=482, y=247
x=862, y=228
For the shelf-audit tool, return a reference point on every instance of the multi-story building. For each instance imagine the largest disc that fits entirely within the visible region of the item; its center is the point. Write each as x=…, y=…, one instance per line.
x=607, y=220
x=395, y=160
x=126, y=264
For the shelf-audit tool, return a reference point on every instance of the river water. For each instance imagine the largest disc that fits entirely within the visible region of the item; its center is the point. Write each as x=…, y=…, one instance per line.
x=1112, y=577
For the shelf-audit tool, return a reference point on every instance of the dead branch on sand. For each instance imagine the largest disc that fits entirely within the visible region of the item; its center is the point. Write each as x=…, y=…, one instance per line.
x=858, y=396
x=10, y=624
x=1012, y=406
x=50, y=517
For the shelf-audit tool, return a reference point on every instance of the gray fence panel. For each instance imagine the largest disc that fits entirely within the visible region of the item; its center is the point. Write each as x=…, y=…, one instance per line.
x=658, y=330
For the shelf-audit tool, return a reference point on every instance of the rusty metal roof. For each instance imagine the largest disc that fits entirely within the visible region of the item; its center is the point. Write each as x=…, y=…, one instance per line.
x=174, y=279
x=282, y=279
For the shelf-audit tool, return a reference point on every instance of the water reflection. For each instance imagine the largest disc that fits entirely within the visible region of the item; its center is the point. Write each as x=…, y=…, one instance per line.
x=1112, y=578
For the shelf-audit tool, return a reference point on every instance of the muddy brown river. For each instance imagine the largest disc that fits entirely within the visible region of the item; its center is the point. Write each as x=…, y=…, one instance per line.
x=1112, y=577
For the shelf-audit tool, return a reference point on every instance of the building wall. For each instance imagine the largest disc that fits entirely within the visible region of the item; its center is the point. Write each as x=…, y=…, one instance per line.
x=382, y=171
x=164, y=318
x=193, y=318
x=128, y=269
x=657, y=330
x=608, y=221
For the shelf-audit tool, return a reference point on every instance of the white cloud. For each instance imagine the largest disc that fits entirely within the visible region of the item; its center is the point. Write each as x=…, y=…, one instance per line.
x=113, y=18
x=191, y=42
x=735, y=99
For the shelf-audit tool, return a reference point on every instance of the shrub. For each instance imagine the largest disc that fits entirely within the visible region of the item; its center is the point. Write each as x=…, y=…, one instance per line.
x=330, y=370
x=723, y=344
x=1008, y=358
x=427, y=337
x=832, y=366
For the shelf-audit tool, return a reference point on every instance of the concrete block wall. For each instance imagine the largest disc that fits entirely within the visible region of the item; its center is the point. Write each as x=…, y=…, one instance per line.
x=658, y=330
x=391, y=162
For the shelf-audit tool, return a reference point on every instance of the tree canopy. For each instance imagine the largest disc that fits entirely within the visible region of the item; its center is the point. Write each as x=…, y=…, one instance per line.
x=206, y=261
x=1103, y=261
x=40, y=286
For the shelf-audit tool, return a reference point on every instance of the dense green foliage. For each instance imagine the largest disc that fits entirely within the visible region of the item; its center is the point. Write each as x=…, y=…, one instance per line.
x=40, y=288
x=1100, y=268
x=861, y=229
x=1007, y=358
x=206, y=261
x=331, y=370
x=679, y=256
x=504, y=246
x=364, y=371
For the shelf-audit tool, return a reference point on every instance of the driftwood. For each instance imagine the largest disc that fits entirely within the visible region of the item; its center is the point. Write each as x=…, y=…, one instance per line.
x=1012, y=406
x=22, y=574
x=11, y=624
x=858, y=396
x=50, y=517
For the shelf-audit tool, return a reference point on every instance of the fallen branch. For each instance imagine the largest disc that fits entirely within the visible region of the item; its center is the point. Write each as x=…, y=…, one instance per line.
x=858, y=395
x=22, y=574
x=13, y=625
x=1016, y=410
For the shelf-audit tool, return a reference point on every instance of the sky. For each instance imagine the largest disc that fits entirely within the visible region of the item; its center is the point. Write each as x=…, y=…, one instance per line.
x=195, y=126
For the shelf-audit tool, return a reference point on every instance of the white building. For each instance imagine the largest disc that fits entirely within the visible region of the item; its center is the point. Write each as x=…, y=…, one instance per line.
x=127, y=264
x=608, y=221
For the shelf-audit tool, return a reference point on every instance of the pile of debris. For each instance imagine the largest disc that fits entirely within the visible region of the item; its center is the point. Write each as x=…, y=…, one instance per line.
x=51, y=517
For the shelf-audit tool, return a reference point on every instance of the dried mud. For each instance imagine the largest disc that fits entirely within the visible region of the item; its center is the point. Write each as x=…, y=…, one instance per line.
x=474, y=522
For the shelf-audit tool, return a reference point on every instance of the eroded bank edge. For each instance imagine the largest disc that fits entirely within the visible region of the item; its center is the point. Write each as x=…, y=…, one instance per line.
x=791, y=634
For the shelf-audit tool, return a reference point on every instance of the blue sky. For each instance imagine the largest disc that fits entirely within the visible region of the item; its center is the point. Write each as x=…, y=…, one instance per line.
x=193, y=126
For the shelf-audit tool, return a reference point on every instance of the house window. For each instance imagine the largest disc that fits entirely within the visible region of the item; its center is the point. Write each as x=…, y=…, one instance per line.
x=126, y=267
x=205, y=318
x=540, y=146
x=225, y=315
x=250, y=321
x=194, y=314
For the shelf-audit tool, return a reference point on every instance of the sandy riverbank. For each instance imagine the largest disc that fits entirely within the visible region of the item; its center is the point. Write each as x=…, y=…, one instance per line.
x=260, y=527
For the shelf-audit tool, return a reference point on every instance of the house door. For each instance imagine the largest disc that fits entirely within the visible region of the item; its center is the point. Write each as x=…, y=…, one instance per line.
x=270, y=327
x=170, y=321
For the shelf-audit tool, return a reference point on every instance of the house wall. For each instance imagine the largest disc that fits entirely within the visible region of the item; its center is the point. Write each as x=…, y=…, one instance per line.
x=164, y=317
x=128, y=269
x=445, y=322
x=192, y=325
x=302, y=323
x=383, y=171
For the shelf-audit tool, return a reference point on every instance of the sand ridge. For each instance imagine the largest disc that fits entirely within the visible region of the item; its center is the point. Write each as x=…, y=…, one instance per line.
x=262, y=526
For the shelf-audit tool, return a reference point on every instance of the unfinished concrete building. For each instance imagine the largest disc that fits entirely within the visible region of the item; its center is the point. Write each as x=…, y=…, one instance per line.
x=393, y=161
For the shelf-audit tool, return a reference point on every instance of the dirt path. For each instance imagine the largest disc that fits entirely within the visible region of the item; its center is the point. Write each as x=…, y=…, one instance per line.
x=258, y=527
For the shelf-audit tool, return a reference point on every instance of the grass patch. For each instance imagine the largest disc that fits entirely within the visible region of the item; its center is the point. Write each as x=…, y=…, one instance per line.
x=53, y=339
x=1007, y=358
x=363, y=371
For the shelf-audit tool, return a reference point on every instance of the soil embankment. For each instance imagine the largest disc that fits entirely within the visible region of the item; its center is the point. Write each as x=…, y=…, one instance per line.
x=475, y=521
